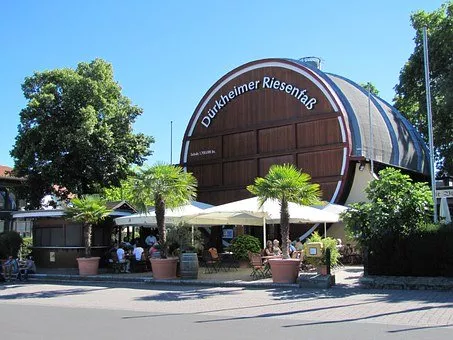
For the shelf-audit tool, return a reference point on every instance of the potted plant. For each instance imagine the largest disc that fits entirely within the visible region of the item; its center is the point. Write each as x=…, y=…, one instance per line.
x=242, y=245
x=285, y=183
x=185, y=242
x=166, y=186
x=321, y=262
x=88, y=210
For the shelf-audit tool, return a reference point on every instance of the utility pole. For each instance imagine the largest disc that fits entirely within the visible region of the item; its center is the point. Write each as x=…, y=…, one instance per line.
x=430, y=121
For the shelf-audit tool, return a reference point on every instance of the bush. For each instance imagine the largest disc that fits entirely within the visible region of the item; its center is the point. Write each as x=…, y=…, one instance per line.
x=397, y=207
x=10, y=242
x=25, y=249
x=327, y=243
x=243, y=244
x=179, y=239
x=426, y=253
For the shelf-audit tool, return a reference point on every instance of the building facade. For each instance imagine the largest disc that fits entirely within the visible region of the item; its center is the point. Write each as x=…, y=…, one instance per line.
x=276, y=111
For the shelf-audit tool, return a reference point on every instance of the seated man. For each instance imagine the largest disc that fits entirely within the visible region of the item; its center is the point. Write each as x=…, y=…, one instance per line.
x=292, y=248
x=138, y=258
x=150, y=240
x=122, y=259
x=11, y=268
x=28, y=267
x=138, y=253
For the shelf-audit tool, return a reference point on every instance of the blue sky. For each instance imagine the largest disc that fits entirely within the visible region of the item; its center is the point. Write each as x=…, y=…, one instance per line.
x=167, y=54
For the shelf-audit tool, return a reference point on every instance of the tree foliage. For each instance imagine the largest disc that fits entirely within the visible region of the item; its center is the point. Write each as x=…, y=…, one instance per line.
x=125, y=191
x=286, y=183
x=76, y=131
x=397, y=207
x=166, y=186
x=370, y=87
x=10, y=243
x=411, y=92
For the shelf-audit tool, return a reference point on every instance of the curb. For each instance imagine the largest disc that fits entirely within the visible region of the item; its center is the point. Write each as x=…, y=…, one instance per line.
x=62, y=278
x=406, y=283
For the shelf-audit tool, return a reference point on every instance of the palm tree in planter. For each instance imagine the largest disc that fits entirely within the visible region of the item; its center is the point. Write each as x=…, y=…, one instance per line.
x=88, y=210
x=166, y=186
x=285, y=183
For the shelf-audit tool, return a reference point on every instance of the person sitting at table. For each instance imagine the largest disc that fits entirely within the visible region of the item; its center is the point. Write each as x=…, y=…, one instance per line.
x=30, y=265
x=276, y=248
x=154, y=249
x=291, y=248
x=299, y=245
x=268, y=251
x=10, y=268
x=138, y=253
x=137, y=256
x=122, y=257
x=150, y=240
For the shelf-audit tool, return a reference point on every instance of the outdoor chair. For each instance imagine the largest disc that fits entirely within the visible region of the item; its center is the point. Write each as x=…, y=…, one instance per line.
x=258, y=268
x=211, y=266
x=215, y=257
x=14, y=272
x=117, y=267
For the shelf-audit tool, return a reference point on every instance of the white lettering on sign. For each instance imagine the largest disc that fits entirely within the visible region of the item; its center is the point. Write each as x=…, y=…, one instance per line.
x=202, y=153
x=444, y=193
x=266, y=83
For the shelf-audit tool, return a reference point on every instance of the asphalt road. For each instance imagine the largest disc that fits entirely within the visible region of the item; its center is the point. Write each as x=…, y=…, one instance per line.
x=48, y=311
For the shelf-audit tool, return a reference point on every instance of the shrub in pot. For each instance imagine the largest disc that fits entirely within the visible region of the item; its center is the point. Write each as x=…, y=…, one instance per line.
x=327, y=243
x=166, y=186
x=242, y=245
x=88, y=210
x=285, y=183
x=185, y=242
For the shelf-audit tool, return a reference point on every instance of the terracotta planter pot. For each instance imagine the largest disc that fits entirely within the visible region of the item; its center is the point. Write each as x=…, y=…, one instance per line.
x=164, y=268
x=284, y=270
x=321, y=269
x=88, y=265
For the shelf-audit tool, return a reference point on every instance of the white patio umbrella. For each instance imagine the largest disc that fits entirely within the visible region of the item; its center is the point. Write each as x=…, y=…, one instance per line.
x=444, y=212
x=172, y=216
x=249, y=212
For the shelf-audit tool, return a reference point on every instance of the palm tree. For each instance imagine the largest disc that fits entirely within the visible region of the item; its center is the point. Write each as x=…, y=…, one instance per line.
x=166, y=186
x=286, y=183
x=88, y=210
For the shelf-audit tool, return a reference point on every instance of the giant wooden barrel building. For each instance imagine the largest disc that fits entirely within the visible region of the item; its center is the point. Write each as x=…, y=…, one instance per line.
x=276, y=111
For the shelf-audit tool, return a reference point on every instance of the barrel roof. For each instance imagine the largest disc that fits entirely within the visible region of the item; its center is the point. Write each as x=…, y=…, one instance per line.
x=391, y=140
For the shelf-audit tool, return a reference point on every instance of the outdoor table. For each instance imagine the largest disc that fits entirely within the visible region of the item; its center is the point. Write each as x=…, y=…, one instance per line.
x=228, y=261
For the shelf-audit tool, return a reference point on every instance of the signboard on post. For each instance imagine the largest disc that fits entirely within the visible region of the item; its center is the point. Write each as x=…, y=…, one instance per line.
x=444, y=193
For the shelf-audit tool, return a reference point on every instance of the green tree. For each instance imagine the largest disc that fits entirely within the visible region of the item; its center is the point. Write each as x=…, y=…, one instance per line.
x=286, y=183
x=411, y=92
x=89, y=210
x=167, y=186
x=125, y=191
x=370, y=86
x=76, y=132
x=397, y=207
x=10, y=243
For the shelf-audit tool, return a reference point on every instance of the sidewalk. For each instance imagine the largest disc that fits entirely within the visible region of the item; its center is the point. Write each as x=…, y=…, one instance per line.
x=347, y=276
